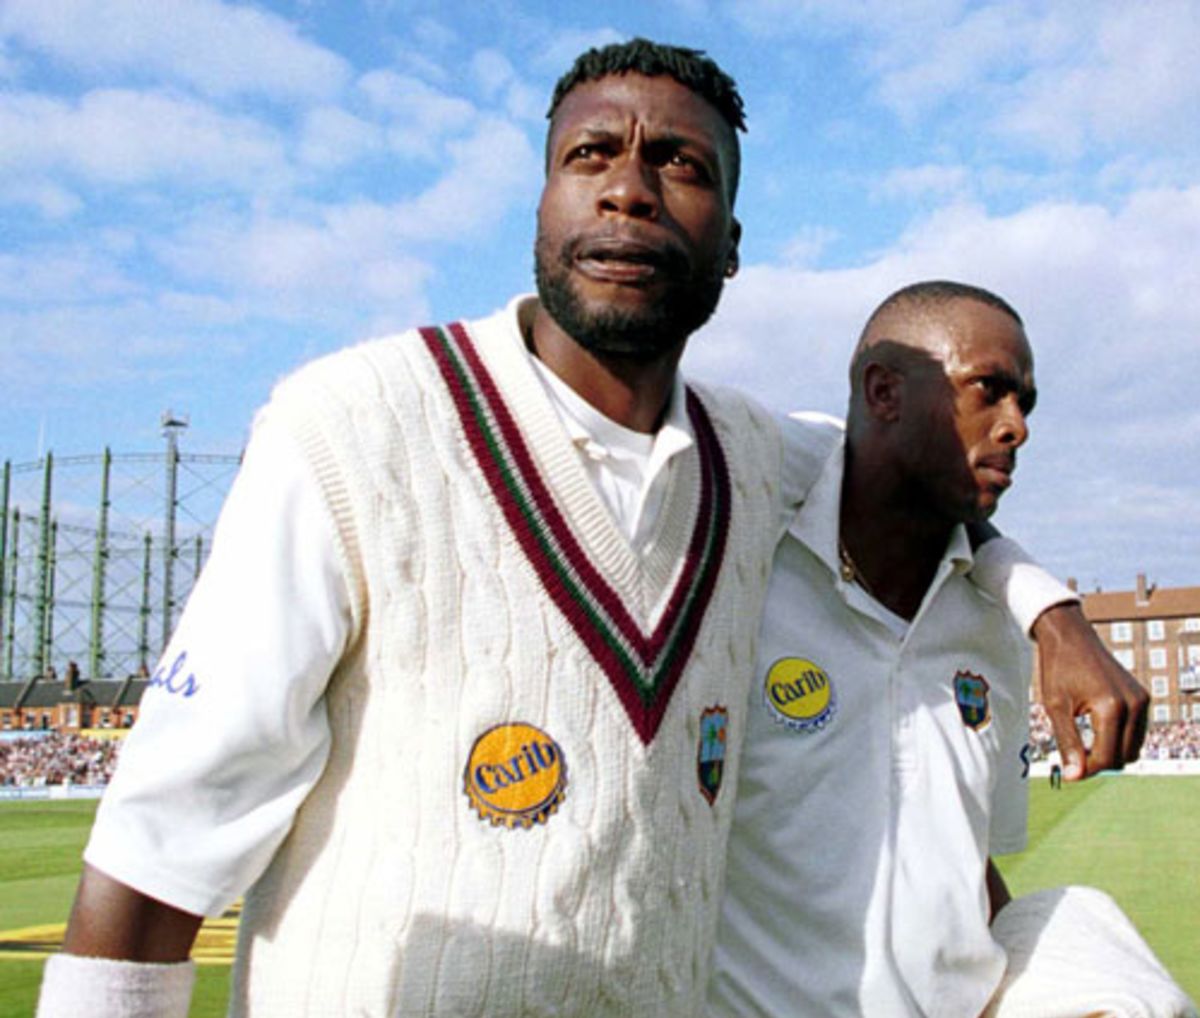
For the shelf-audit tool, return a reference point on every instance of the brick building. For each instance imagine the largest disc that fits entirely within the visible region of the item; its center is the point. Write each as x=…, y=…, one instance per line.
x=1154, y=632
x=71, y=705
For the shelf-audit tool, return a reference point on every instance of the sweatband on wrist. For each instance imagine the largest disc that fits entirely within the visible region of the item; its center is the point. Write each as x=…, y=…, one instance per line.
x=73, y=985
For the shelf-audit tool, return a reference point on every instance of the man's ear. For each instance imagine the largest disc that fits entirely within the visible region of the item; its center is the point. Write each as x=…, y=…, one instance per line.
x=731, y=259
x=883, y=391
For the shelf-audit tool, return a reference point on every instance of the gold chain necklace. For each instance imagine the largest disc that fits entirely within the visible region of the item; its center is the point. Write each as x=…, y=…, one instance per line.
x=849, y=569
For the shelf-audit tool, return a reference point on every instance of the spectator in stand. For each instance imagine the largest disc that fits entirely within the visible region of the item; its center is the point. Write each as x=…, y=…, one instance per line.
x=1177, y=740
x=57, y=759
x=1041, y=734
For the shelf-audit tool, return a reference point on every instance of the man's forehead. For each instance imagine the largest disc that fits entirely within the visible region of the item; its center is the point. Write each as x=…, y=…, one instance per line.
x=658, y=100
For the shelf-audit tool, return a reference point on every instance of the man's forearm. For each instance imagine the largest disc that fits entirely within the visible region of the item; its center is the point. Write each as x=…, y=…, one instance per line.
x=125, y=955
x=112, y=920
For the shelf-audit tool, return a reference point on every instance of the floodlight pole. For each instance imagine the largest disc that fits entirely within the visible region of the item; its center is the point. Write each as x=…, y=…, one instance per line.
x=172, y=425
x=42, y=603
x=99, y=574
x=4, y=490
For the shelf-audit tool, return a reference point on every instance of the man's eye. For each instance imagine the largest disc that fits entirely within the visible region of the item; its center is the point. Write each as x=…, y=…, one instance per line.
x=584, y=152
x=991, y=388
x=688, y=165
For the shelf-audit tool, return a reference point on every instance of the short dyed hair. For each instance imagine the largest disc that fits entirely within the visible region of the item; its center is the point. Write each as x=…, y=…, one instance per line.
x=690, y=67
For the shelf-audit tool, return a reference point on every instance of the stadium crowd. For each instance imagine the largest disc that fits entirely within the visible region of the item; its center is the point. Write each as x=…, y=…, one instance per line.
x=57, y=759
x=1174, y=740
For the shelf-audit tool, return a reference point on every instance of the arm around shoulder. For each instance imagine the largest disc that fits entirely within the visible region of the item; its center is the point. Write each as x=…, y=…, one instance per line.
x=1078, y=674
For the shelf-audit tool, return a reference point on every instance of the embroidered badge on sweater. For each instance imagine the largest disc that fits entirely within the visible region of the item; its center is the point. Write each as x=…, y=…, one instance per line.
x=710, y=757
x=516, y=776
x=642, y=667
x=971, y=695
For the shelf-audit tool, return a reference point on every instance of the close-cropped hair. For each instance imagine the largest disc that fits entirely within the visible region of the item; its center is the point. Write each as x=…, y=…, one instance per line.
x=928, y=295
x=692, y=68
x=934, y=292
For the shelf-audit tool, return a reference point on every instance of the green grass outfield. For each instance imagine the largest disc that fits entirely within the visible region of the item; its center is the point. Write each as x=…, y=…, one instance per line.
x=1136, y=838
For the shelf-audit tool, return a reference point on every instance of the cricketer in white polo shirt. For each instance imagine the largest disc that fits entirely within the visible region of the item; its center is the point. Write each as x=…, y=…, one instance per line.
x=885, y=756
x=883, y=762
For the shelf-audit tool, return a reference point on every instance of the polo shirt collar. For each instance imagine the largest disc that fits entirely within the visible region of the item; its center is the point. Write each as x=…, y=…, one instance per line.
x=597, y=435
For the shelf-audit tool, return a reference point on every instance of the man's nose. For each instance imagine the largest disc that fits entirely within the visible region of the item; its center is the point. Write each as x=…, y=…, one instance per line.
x=630, y=189
x=1011, y=427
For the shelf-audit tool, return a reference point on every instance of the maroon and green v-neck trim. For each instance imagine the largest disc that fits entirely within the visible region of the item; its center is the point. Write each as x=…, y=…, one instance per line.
x=642, y=667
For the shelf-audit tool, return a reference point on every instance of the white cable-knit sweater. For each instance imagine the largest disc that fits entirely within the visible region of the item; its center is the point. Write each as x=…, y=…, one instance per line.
x=535, y=730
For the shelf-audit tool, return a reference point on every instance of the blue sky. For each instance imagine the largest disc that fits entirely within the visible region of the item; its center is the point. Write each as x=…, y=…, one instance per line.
x=196, y=196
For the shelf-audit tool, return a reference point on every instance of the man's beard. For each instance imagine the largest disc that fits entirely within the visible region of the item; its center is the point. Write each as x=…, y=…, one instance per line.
x=637, y=334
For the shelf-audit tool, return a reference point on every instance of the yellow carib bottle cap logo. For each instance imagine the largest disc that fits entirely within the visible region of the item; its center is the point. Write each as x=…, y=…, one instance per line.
x=799, y=694
x=515, y=776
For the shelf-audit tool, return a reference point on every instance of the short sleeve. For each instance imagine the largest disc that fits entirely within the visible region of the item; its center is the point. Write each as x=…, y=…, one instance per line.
x=1009, y=575
x=232, y=733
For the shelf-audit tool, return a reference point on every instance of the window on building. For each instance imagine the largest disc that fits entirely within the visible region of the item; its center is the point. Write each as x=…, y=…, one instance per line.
x=1159, y=685
x=1158, y=657
x=1193, y=655
x=1189, y=678
x=1122, y=632
x=1191, y=625
x=1160, y=712
x=1124, y=658
x=1155, y=630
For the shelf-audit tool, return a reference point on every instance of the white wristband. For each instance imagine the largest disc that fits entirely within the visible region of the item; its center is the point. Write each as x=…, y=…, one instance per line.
x=1005, y=572
x=104, y=988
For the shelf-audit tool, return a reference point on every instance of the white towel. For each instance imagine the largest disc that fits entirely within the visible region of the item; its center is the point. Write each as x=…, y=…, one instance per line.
x=1072, y=953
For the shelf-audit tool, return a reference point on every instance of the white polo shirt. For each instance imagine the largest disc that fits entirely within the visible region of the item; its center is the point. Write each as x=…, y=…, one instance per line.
x=884, y=761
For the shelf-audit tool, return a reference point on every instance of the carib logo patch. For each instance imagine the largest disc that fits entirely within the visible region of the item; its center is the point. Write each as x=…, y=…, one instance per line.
x=516, y=775
x=799, y=694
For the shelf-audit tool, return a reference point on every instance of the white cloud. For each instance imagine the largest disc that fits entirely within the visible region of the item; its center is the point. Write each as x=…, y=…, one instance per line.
x=356, y=254
x=1061, y=78
x=343, y=259
x=806, y=247
x=774, y=17
x=416, y=115
x=122, y=137
x=562, y=47
x=220, y=49
x=490, y=170
x=935, y=179
x=46, y=198
x=8, y=65
x=91, y=344
x=1130, y=74
x=331, y=138
x=492, y=71
x=60, y=275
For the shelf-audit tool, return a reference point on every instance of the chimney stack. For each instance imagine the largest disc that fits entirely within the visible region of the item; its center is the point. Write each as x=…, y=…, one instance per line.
x=1143, y=596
